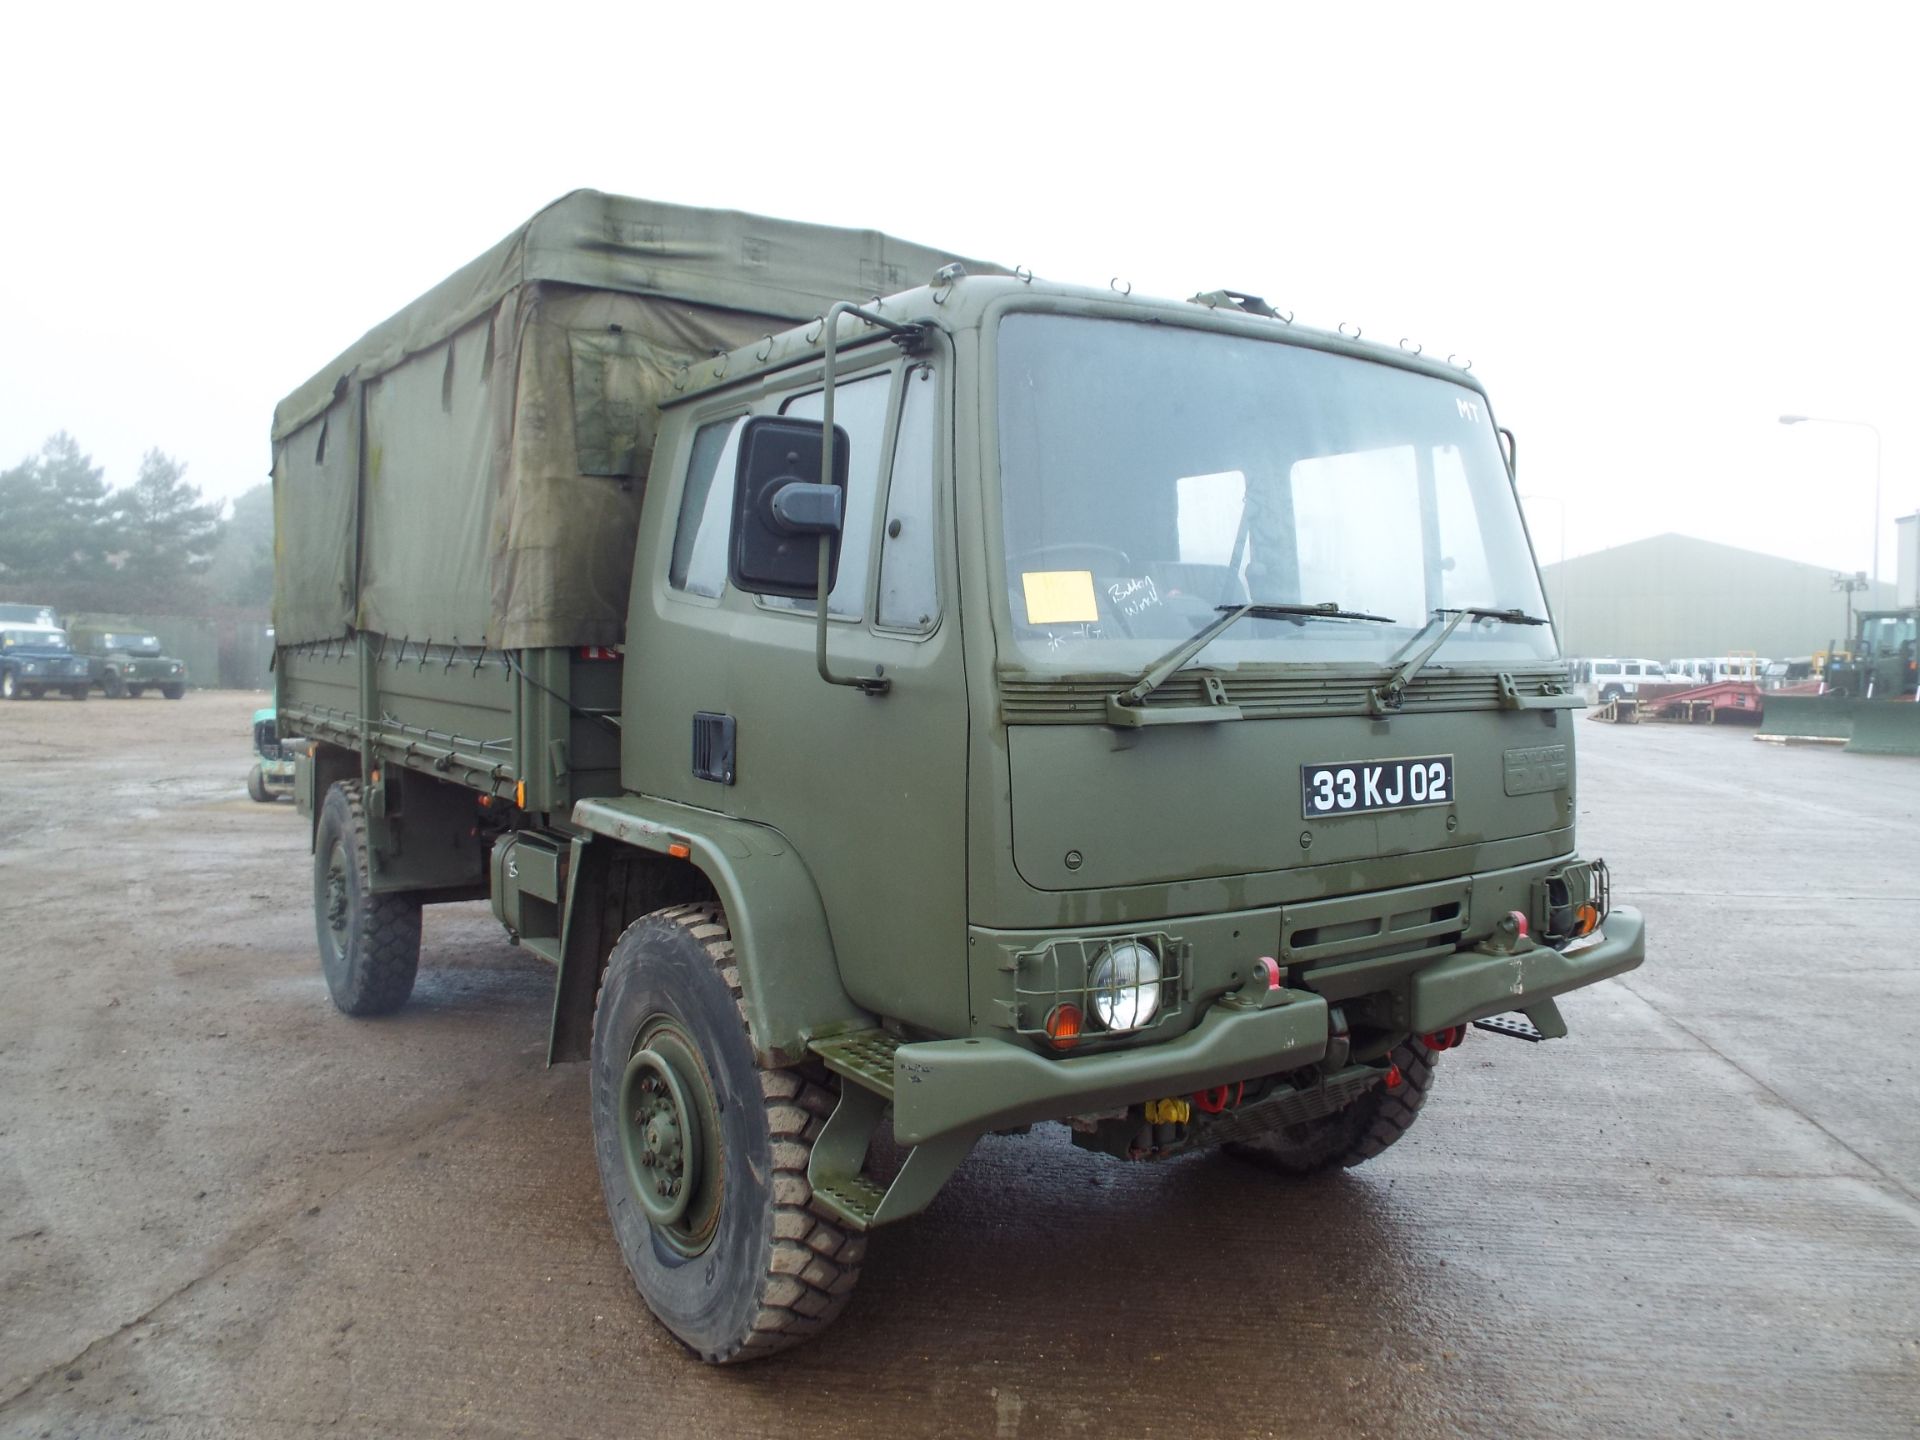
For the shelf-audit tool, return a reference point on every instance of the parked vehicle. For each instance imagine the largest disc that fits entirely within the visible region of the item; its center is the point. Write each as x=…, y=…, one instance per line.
x=272, y=774
x=1712, y=670
x=36, y=660
x=1002, y=702
x=1883, y=664
x=128, y=663
x=1612, y=679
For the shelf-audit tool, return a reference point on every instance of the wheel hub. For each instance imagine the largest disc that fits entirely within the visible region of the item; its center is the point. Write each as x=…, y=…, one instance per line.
x=660, y=1133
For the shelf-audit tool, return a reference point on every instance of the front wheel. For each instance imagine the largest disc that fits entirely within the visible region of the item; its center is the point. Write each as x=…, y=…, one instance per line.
x=257, y=786
x=1359, y=1130
x=703, y=1155
x=369, y=944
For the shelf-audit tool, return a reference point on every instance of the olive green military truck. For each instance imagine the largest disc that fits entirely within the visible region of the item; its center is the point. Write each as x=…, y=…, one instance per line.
x=907, y=700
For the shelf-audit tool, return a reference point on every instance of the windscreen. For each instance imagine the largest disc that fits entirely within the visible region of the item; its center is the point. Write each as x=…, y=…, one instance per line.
x=34, y=639
x=1151, y=474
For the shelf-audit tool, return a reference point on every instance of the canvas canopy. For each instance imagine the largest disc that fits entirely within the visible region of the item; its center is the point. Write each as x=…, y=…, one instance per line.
x=470, y=470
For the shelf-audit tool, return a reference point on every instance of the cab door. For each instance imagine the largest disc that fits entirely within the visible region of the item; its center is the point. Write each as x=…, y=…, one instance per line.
x=869, y=789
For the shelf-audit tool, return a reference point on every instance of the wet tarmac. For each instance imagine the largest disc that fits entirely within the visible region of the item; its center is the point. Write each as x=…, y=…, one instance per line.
x=227, y=1210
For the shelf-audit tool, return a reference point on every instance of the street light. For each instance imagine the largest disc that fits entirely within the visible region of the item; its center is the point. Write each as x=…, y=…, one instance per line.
x=1862, y=425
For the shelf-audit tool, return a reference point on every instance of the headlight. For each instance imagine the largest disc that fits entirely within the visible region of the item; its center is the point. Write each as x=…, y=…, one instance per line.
x=1125, y=987
x=31, y=667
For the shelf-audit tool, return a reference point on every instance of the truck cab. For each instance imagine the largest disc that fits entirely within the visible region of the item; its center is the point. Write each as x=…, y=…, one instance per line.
x=1883, y=665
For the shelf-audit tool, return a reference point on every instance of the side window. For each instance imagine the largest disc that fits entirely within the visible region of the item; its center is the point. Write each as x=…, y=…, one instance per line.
x=699, y=563
x=1632, y=668
x=909, y=594
x=860, y=409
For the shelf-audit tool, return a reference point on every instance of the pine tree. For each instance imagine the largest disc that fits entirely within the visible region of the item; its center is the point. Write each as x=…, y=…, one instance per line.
x=168, y=533
x=59, y=524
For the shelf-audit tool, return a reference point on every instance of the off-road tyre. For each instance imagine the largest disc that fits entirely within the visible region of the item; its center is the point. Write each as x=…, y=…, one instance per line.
x=770, y=1272
x=112, y=686
x=134, y=692
x=174, y=692
x=257, y=786
x=370, y=948
x=9, y=687
x=76, y=692
x=1355, y=1133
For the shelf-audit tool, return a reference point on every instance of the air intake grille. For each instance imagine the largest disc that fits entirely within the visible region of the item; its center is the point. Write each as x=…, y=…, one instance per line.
x=713, y=746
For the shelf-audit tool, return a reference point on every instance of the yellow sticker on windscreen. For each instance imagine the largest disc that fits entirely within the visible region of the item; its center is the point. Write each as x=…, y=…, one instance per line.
x=1060, y=597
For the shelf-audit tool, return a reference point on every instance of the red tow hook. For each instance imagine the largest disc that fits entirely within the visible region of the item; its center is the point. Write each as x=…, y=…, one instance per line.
x=1220, y=1097
x=1447, y=1039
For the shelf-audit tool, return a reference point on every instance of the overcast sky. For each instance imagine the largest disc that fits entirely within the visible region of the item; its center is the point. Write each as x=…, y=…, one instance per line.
x=1653, y=230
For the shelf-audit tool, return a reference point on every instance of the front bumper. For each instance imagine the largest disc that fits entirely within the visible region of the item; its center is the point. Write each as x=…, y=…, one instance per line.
x=947, y=1087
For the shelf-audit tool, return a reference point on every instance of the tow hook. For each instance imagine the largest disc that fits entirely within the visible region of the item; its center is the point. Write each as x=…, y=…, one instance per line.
x=1450, y=1038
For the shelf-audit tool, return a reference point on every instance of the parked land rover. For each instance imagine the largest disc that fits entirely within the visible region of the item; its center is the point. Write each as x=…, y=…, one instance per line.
x=36, y=660
x=129, y=663
x=1604, y=680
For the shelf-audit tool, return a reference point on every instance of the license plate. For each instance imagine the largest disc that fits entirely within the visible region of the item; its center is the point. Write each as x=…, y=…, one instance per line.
x=1354, y=787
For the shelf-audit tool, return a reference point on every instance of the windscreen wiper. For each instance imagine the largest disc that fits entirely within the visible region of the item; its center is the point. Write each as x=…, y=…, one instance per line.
x=1382, y=699
x=1157, y=673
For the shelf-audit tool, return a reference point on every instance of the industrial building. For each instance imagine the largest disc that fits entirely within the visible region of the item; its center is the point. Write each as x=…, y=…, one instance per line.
x=1673, y=595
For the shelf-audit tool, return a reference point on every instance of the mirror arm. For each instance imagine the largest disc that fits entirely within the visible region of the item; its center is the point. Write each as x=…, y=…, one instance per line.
x=876, y=683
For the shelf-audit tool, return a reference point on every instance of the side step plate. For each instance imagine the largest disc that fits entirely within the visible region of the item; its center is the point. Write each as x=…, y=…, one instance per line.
x=864, y=1057
x=1539, y=1021
x=842, y=1184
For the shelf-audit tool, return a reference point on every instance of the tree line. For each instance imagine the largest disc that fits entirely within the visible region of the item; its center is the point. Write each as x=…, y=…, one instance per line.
x=155, y=546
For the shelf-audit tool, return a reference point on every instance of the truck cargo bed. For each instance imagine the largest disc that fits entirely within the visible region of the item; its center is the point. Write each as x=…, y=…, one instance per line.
x=537, y=727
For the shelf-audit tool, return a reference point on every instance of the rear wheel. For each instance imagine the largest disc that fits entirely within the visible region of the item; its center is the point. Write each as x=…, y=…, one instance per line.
x=1357, y=1132
x=703, y=1154
x=173, y=692
x=136, y=691
x=369, y=944
x=76, y=692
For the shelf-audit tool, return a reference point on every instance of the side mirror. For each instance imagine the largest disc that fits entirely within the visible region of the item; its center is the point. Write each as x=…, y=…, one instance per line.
x=781, y=510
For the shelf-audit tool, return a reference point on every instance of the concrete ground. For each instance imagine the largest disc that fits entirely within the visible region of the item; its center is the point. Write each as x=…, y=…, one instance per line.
x=228, y=1210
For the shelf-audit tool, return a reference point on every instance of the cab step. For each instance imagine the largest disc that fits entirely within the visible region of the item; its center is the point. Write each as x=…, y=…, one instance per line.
x=843, y=1185
x=864, y=1057
x=1539, y=1021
